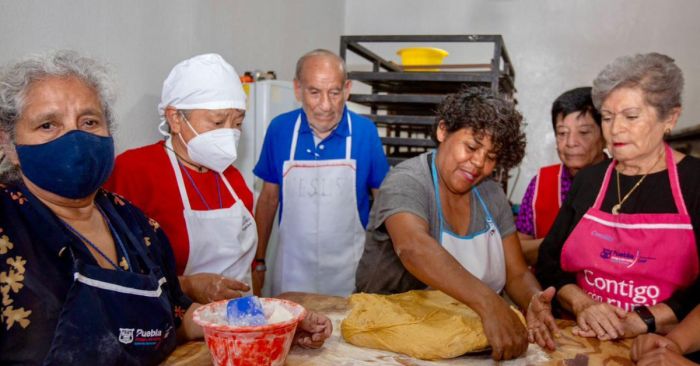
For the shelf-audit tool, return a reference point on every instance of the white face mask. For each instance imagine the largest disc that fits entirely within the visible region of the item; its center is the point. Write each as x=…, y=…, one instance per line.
x=215, y=149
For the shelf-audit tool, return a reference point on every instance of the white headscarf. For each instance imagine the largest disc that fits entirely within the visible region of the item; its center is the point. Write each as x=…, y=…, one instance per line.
x=201, y=82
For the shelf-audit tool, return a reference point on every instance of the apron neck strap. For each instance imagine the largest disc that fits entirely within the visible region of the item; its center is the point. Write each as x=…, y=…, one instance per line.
x=348, y=140
x=674, y=182
x=559, y=176
x=181, y=182
x=433, y=168
x=672, y=176
x=604, y=187
x=295, y=137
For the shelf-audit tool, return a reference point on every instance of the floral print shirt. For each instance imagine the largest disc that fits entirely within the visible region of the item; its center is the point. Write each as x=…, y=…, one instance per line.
x=36, y=268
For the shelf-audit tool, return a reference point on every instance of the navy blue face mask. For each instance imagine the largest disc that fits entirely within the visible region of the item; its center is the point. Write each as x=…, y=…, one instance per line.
x=72, y=166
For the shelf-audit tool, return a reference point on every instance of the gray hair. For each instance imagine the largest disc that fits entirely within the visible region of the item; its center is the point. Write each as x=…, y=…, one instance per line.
x=657, y=75
x=16, y=80
x=319, y=52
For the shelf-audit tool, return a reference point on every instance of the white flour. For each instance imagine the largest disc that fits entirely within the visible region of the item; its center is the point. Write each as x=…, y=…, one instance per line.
x=274, y=311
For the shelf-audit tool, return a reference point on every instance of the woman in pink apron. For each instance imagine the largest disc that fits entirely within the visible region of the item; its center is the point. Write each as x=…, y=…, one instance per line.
x=623, y=250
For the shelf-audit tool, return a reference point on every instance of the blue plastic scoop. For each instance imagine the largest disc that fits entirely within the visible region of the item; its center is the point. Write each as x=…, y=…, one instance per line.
x=245, y=311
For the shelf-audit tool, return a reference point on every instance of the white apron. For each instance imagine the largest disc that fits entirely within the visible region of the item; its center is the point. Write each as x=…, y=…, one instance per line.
x=222, y=240
x=480, y=253
x=321, y=237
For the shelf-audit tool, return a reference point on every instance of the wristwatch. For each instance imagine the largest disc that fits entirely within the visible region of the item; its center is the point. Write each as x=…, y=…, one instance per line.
x=647, y=318
x=259, y=265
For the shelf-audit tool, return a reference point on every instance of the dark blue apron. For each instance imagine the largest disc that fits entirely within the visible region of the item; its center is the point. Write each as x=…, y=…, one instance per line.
x=114, y=317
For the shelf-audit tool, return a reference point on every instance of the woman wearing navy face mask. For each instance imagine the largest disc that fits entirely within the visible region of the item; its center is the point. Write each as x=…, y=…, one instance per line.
x=85, y=277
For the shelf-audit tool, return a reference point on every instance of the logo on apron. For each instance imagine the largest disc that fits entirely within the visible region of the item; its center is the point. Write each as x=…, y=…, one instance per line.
x=126, y=335
x=629, y=260
x=321, y=237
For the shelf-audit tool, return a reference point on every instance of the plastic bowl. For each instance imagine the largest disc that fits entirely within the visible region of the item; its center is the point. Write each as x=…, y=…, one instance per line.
x=252, y=345
x=420, y=56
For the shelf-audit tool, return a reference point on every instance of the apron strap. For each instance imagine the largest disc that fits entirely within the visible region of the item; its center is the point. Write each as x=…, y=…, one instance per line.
x=348, y=140
x=181, y=182
x=489, y=218
x=561, y=172
x=604, y=186
x=178, y=174
x=436, y=188
x=672, y=176
x=674, y=182
x=295, y=138
x=230, y=189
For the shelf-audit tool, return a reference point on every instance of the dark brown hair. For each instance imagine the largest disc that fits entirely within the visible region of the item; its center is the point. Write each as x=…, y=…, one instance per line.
x=485, y=113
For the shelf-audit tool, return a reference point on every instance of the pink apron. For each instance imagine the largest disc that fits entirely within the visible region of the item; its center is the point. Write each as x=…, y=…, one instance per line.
x=629, y=260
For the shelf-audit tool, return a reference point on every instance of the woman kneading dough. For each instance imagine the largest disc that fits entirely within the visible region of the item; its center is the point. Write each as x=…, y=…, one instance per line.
x=439, y=222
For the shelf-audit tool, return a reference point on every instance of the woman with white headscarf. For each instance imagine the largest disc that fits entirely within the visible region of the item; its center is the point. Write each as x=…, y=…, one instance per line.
x=187, y=183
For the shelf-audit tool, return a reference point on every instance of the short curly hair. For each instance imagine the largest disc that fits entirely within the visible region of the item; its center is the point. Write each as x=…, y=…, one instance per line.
x=485, y=113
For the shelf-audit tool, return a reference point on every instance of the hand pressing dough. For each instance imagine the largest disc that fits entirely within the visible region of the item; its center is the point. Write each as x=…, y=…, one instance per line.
x=428, y=325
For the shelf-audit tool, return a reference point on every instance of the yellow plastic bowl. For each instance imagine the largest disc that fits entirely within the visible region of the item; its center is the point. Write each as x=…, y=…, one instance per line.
x=419, y=56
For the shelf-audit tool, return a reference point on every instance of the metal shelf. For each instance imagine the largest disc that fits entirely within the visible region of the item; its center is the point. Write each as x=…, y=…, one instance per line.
x=500, y=64
x=389, y=120
x=408, y=142
x=427, y=82
x=392, y=100
x=404, y=101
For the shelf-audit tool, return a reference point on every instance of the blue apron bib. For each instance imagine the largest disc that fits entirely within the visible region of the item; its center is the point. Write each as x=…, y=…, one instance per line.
x=114, y=317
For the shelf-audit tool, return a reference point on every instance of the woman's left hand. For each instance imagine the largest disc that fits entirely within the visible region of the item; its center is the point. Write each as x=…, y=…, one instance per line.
x=541, y=326
x=632, y=326
x=313, y=330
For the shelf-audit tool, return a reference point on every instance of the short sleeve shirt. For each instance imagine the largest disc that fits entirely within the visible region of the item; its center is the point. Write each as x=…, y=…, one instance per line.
x=145, y=177
x=525, y=223
x=366, y=150
x=409, y=188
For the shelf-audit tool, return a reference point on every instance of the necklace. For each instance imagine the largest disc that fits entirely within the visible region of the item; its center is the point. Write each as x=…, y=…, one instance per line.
x=199, y=168
x=116, y=238
x=620, y=201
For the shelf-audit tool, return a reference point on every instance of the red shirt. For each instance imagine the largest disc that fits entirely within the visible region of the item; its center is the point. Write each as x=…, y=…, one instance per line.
x=145, y=177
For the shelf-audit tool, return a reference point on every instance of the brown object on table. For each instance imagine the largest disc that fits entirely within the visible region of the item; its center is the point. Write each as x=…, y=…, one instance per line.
x=571, y=350
x=424, y=324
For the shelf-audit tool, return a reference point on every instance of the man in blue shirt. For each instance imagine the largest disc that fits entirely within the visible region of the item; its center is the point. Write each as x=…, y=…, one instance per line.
x=320, y=164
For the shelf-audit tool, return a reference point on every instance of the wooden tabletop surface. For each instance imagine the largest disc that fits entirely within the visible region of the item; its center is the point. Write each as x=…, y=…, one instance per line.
x=571, y=350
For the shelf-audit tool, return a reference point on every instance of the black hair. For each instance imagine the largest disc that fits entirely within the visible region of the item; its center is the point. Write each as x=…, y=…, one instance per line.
x=574, y=100
x=485, y=113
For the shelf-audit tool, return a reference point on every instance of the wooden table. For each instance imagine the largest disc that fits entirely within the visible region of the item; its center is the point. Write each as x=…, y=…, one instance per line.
x=571, y=350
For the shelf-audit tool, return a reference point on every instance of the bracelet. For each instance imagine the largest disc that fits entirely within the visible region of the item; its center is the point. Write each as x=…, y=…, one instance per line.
x=259, y=265
x=647, y=317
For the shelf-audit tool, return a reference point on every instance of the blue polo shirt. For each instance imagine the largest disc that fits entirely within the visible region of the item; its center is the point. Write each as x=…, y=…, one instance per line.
x=366, y=148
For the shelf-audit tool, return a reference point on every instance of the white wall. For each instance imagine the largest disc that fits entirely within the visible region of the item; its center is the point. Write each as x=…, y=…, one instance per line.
x=143, y=40
x=555, y=45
